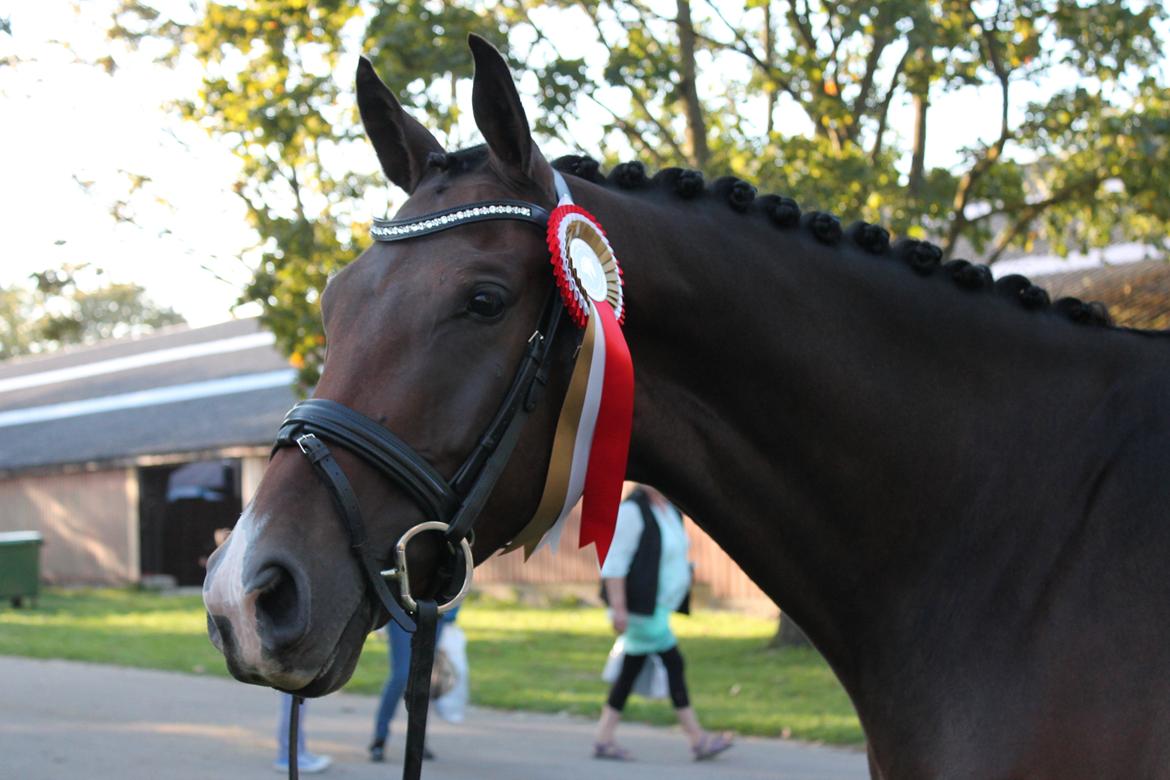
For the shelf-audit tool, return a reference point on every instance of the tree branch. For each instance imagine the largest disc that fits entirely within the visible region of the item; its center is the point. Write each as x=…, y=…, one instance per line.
x=991, y=154
x=801, y=24
x=745, y=48
x=1027, y=215
x=667, y=136
x=884, y=112
x=871, y=63
x=800, y=21
x=631, y=132
x=769, y=58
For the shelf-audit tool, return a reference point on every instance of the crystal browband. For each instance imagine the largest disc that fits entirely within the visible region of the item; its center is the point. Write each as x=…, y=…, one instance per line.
x=484, y=211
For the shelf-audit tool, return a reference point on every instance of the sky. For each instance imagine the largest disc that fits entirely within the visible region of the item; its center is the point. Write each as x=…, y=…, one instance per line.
x=73, y=135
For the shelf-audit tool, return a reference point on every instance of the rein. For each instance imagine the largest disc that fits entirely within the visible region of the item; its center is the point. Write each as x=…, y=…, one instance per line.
x=451, y=507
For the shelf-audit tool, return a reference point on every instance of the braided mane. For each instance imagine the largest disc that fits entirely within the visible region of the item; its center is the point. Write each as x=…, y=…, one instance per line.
x=923, y=257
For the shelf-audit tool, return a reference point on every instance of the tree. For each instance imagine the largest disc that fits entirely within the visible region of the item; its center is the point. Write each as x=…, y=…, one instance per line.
x=14, y=336
x=58, y=310
x=793, y=95
x=788, y=634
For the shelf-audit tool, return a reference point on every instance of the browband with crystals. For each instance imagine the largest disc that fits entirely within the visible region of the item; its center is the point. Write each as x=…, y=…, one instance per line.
x=483, y=211
x=387, y=230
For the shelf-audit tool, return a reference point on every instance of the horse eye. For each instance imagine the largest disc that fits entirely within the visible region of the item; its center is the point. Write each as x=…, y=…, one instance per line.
x=486, y=305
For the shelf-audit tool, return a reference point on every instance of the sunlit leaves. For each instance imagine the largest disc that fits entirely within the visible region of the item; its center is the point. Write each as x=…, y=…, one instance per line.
x=799, y=96
x=56, y=309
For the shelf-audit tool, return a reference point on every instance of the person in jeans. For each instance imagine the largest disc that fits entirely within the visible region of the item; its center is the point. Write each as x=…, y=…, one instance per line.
x=395, y=686
x=307, y=763
x=647, y=576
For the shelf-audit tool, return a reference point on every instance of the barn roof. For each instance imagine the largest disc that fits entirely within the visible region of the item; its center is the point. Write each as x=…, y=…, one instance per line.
x=174, y=391
x=1137, y=294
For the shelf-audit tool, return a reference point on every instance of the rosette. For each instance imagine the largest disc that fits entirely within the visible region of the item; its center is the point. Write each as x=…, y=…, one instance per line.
x=583, y=262
x=591, y=445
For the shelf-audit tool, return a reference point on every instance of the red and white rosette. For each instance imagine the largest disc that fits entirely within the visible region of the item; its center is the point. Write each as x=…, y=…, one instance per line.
x=583, y=263
x=593, y=433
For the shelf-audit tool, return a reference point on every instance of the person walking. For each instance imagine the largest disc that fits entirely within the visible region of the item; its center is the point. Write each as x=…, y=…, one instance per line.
x=395, y=686
x=647, y=576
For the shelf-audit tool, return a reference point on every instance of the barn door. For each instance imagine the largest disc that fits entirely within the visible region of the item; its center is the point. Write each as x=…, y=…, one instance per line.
x=180, y=507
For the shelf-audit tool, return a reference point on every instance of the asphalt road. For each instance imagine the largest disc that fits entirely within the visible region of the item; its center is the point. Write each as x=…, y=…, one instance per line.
x=71, y=721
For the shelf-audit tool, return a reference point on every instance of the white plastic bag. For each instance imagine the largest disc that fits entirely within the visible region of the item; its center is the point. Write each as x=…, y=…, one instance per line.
x=452, y=705
x=651, y=682
x=613, y=662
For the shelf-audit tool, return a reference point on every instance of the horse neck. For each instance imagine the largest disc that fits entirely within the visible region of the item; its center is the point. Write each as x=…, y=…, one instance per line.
x=841, y=426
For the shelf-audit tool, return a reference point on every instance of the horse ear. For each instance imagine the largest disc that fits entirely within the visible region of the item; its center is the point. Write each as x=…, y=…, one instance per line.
x=401, y=142
x=498, y=112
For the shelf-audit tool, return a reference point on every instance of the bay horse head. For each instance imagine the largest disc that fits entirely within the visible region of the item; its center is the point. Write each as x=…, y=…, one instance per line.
x=424, y=338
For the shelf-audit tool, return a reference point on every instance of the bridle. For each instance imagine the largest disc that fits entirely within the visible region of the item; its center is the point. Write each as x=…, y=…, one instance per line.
x=450, y=507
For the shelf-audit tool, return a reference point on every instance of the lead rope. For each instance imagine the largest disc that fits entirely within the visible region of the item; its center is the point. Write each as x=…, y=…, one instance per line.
x=418, y=696
x=294, y=769
x=418, y=687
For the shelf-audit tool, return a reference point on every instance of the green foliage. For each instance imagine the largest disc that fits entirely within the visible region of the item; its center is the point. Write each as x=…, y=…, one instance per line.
x=794, y=95
x=524, y=658
x=14, y=326
x=57, y=310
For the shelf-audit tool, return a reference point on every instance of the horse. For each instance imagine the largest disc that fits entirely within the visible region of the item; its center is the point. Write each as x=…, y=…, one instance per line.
x=956, y=486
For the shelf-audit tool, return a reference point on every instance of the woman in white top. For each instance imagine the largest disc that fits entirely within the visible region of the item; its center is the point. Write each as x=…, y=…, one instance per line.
x=647, y=576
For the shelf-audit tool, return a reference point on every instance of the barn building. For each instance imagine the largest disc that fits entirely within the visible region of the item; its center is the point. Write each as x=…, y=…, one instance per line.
x=127, y=455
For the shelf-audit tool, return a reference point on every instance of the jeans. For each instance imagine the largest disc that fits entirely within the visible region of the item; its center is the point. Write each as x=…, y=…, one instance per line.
x=395, y=686
x=286, y=701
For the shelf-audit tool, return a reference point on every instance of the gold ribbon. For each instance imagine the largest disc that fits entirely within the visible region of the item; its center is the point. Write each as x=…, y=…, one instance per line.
x=560, y=464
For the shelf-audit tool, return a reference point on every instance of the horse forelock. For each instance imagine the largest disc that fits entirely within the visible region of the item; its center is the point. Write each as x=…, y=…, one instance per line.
x=459, y=161
x=923, y=257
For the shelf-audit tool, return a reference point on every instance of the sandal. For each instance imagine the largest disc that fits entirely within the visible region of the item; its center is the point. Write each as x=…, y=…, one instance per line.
x=610, y=751
x=711, y=745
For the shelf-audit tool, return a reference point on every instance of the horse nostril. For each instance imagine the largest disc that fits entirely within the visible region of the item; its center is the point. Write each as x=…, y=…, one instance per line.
x=219, y=631
x=280, y=609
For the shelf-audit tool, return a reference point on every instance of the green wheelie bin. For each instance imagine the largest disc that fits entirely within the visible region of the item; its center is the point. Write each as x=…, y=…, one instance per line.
x=20, y=565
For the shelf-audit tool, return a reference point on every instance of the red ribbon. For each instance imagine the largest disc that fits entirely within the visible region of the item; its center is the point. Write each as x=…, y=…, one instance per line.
x=611, y=439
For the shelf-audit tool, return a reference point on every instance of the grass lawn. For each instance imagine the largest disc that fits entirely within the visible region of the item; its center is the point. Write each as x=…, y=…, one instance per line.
x=545, y=659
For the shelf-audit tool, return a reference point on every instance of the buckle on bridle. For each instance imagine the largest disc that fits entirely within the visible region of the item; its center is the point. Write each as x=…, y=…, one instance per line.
x=310, y=445
x=401, y=574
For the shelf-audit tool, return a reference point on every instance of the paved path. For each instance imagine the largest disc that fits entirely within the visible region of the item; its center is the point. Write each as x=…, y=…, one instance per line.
x=64, y=721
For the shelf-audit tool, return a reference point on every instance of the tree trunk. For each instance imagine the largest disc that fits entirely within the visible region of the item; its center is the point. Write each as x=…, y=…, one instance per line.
x=921, y=105
x=788, y=634
x=696, y=125
x=769, y=60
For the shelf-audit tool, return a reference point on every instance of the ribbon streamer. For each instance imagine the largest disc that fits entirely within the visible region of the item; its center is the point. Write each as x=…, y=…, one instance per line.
x=611, y=438
x=577, y=411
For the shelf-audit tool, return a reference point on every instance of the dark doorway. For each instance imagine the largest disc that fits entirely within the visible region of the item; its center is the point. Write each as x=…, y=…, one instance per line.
x=180, y=508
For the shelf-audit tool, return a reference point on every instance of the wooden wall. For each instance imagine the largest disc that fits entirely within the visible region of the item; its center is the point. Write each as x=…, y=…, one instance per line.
x=715, y=573
x=89, y=521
